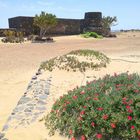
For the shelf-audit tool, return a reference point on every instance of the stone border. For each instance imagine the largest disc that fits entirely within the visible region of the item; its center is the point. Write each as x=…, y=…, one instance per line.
x=30, y=106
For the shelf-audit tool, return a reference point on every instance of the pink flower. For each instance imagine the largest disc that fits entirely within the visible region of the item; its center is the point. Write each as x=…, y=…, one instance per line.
x=96, y=94
x=89, y=89
x=130, y=102
x=136, y=91
x=82, y=92
x=139, y=84
x=105, y=117
x=80, y=118
x=82, y=112
x=100, y=108
x=84, y=107
x=129, y=118
x=74, y=97
x=99, y=136
x=64, y=109
x=70, y=132
x=132, y=127
x=83, y=137
x=124, y=102
x=96, y=99
x=73, y=138
x=113, y=125
x=130, y=111
x=124, y=99
x=93, y=124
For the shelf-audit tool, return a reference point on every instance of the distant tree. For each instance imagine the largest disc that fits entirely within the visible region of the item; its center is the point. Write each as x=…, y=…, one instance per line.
x=45, y=21
x=108, y=22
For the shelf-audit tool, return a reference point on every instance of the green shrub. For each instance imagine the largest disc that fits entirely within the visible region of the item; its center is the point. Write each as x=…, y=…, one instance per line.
x=13, y=37
x=105, y=109
x=70, y=61
x=91, y=34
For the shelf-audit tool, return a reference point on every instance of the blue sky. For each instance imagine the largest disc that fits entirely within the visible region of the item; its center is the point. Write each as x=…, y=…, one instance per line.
x=127, y=11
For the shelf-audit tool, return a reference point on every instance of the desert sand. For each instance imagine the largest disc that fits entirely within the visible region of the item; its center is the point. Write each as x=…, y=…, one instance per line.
x=19, y=62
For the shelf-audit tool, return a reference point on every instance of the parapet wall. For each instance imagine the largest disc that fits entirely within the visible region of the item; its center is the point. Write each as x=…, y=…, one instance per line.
x=91, y=22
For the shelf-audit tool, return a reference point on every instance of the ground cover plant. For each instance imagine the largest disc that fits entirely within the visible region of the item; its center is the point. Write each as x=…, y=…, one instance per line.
x=106, y=108
x=78, y=60
x=91, y=34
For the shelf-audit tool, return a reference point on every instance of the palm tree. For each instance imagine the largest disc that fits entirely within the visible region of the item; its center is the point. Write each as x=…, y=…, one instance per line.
x=108, y=22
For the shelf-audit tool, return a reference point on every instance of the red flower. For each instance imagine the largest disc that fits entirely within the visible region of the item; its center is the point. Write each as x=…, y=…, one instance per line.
x=128, y=107
x=93, y=124
x=99, y=136
x=124, y=102
x=124, y=99
x=82, y=92
x=89, y=89
x=84, y=107
x=113, y=125
x=130, y=102
x=139, y=84
x=82, y=112
x=73, y=138
x=132, y=127
x=80, y=118
x=83, y=137
x=130, y=111
x=129, y=118
x=96, y=94
x=61, y=97
x=136, y=91
x=105, y=117
x=138, y=132
x=96, y=99
x=70, y=132
x=74, y=97
x=67, y=102
x=100, y=108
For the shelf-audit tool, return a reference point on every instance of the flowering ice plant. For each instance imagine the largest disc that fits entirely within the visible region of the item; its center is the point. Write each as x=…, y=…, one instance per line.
x=106, y=108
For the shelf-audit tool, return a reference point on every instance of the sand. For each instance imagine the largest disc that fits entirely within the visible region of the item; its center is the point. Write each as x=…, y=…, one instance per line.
x=19, y=62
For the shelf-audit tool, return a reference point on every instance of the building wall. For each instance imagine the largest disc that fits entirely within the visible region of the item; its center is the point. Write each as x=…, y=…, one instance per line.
x=91, y=22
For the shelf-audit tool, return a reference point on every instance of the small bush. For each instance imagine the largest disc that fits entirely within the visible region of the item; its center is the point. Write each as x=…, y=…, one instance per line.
x=70, y=61
x=91, y=34
x=13, y=37
x=105, y=109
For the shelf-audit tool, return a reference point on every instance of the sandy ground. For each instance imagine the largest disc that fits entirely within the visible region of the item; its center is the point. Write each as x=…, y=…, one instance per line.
x=19, y=62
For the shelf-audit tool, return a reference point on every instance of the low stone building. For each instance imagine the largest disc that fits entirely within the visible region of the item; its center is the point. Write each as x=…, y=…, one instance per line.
x=91, y=22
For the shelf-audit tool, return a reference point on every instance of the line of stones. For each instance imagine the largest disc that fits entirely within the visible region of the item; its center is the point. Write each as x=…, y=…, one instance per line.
x=30, y=106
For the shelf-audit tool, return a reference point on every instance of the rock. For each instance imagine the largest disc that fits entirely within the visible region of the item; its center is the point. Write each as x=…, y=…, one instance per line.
x=4, y=139
x=41, y=108
x=24, y=100
x=46, y=91
x=44, y=96
x=5, y=127
x=41, y=102
x=2, y=135
x=27, y=110
x=34, y=77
